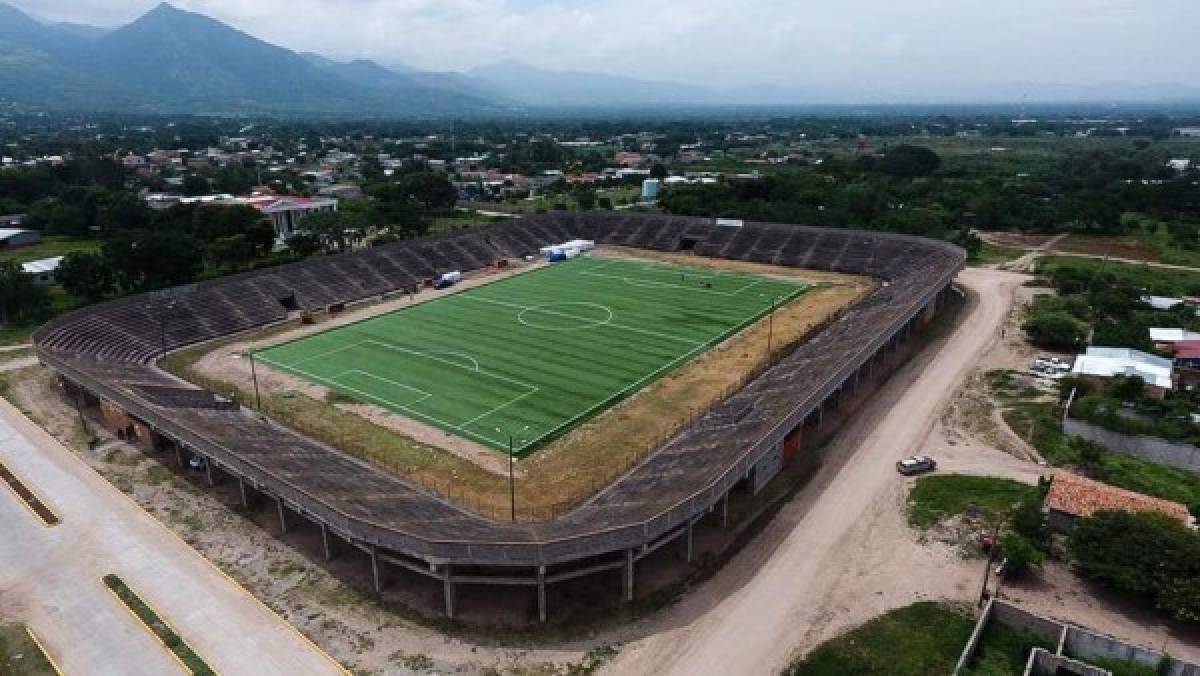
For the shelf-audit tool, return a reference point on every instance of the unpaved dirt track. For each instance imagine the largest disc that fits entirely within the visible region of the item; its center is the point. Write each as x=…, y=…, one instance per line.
x=50, y=578
x=797, y=578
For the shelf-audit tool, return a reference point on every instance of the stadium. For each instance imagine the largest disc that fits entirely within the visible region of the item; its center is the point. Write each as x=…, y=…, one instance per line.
x=641, y=320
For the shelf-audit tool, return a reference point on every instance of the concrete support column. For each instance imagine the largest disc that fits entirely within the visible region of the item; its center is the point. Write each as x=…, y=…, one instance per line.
x=208, y=473
x=820, y=415
x=376, y=578
x=627, y=576
x=685, y=544
x=242, y=492
x=179, y=455
x=725, y=511
x=541, y=592
x=326, y=545
x=283, y=525
x=448, y=588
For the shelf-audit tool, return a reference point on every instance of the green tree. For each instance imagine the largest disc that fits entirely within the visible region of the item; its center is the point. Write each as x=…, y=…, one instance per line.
x=154, y=260
x=195, y=184
x=87, y=275
x=1055, y=330
x=1145, y=554
x=304, y=244
x=1021, y=554
x=431, y=189
x=586, y=197
x=658, y=171
x=909, y=161
x=20, y=298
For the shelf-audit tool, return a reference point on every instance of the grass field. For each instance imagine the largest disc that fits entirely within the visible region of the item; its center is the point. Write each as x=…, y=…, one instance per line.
x=918, y=640
x=534, y=354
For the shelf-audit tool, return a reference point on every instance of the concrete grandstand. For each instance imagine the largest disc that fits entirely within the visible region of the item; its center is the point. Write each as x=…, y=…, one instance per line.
x=107, y=353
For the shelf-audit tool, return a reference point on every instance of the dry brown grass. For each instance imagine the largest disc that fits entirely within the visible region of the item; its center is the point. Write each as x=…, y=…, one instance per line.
x=585, y=460
x=1119, y=247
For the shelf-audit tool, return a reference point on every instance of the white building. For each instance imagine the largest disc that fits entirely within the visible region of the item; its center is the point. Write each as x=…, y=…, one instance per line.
x=1108, y=362
x=285, y=211
x=44, y=270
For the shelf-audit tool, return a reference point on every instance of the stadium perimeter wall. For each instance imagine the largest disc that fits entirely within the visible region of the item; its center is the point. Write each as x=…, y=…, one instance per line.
x=106, y=353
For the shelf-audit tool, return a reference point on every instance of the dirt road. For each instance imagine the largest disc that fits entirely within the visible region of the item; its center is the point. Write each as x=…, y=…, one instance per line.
x=50, y=577
x=806, y=571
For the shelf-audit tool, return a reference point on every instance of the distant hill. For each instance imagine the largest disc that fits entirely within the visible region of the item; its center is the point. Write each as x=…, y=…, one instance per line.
x=533, y=86
x=172, y=60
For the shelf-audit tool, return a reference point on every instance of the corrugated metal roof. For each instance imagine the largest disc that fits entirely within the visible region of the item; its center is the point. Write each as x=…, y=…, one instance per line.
x=42, y=265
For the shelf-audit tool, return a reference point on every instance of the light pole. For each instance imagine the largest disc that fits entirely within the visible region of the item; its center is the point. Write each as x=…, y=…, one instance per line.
x=512, y=483
x=254, y=377
x=162, y=327
x=771, y=325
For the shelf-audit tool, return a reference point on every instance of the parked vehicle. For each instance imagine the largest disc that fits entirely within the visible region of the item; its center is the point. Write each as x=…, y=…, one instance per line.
x=197, y=463
x=916, y=464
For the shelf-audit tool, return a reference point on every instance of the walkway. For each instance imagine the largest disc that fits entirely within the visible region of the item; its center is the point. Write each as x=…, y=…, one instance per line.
x=50, y=577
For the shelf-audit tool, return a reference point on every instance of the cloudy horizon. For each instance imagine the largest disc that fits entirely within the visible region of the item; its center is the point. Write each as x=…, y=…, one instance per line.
x=860, y=45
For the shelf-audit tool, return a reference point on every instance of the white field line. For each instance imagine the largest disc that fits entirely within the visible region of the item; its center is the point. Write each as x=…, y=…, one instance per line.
x=637, y=384
x=427, y=355
x=499, y=443
x=588, y=410
x=319, y=355
x=425, y=395
x=504, y=405
x=635, y=281
x=635, y=329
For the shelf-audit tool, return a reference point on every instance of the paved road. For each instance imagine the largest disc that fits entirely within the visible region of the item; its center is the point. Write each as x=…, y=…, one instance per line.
x=50, y=577
x=751, y=615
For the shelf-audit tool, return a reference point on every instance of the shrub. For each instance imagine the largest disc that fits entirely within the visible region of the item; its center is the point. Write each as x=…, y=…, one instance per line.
x=1055, y=330
x=1021, y=554
x=1149, y=555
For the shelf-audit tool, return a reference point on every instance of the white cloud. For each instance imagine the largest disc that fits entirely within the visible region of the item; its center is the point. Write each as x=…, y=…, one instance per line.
x=917, y=43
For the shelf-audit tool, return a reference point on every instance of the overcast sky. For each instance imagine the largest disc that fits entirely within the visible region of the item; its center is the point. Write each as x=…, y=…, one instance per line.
x=944, y=44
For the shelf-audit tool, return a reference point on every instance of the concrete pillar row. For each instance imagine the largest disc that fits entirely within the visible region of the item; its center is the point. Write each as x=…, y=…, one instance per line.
x=541, y=593
x=376, y=577
x=283, y=524
x=448, y=589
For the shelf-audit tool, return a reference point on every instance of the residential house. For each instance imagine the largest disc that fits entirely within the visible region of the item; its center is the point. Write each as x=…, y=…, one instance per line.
x=1072, y=497
x=1099, y=364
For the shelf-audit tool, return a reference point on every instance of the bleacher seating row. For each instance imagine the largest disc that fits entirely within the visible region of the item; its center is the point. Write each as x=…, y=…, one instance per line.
x=109, y=349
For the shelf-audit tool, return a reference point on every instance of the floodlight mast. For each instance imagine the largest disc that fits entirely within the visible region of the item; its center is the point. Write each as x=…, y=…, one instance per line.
x=512, y=484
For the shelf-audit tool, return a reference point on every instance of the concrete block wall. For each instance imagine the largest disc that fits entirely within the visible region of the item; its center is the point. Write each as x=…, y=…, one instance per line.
x=1045, y=663
x=1075, y=644
x=1183, y=456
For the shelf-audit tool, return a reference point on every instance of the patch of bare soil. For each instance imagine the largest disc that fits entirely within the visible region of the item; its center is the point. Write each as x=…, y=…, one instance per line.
x=570, y=469
x=1129, y=248
x=974, y=413
x=1016, y=239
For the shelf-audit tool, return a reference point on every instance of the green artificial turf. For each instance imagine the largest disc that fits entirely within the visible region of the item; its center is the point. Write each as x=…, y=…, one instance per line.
x=535, y=354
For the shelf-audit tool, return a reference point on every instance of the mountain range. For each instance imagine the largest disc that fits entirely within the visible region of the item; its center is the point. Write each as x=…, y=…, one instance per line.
x=171, y=60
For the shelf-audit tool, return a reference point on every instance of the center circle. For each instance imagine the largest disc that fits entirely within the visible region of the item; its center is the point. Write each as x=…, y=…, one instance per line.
x=570, y=316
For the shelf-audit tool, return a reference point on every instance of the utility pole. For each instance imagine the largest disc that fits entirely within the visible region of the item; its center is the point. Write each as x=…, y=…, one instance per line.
x=990, y=560
x=771, y=325
x=512, y=484
x=162, y=327
x=254, y=377
x=512, y=481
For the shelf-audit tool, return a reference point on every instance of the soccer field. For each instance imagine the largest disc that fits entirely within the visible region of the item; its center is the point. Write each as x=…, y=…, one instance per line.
x=534, y=354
